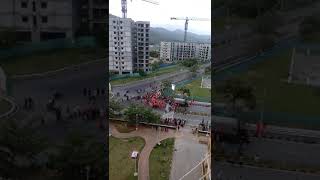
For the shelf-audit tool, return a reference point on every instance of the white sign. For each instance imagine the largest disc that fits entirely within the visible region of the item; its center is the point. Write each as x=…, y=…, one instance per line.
x=173, y=86
x=134, y=154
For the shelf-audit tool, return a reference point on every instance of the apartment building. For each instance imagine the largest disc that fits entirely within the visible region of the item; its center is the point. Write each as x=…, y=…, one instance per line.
x=128, y=45
x=93, y=14
x=38, y=20
x=35, y=20
x=141, y=34
x=178, y=51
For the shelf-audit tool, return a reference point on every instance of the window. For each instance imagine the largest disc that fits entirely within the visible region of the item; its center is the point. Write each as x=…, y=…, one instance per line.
x=122, y=58
x=25, y=19
x=43, y=5
x=114, y=27
x=115, y=47
x=122, y=48
x=120, y=27
x=116, y=57
x=116, y=62
x=121, y=37
x=121, y=42
x=34, y=21
x=114, y=32
x=122, y=53
x=116, y=67
x=115, y=52
x=115, y=38
x=24, y=4
x=33, y=6
x=44, y=19
x=120, y=22
x=121, y=32
x=122, y=62
x=114, y=22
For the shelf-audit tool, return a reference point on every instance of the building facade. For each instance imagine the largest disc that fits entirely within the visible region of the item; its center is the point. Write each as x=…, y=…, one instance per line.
x=40, y=20
x=128, y=45
x=178, y=51
x=35, y=20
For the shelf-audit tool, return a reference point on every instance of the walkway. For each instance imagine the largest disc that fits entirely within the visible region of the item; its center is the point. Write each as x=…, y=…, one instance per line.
x=151, y=137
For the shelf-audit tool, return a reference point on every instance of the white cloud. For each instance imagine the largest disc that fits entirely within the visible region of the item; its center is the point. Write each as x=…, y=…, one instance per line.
x=159, y=15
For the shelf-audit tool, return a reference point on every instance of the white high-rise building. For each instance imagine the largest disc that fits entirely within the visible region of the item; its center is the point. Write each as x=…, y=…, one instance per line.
x=128, y=45
x=177, y=51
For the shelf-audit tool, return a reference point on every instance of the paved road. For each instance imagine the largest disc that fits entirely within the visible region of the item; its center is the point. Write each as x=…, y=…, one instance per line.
x=188, y=153
x=230, y=172
x=285, y=151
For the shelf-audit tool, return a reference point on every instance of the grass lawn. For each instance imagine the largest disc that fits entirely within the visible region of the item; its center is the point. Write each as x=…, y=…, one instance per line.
x=152, y=74
x=50, y=60
x=122, y=128
x=196, y=90
x=219, y=23
x=121, y=166
x=160, y=160
x=281, y=97
x=4, y=106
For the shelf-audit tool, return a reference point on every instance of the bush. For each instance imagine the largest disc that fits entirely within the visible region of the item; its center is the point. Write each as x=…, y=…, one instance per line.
x=142, y=73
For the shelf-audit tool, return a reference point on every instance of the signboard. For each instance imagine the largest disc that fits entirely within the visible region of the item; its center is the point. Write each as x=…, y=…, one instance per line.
x=173, y=86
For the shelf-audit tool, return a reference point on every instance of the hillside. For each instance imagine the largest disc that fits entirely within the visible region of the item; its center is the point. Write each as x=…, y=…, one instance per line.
x=160, y=34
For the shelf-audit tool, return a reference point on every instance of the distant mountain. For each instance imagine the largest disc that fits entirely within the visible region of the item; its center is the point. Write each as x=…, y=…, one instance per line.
x=158, y=34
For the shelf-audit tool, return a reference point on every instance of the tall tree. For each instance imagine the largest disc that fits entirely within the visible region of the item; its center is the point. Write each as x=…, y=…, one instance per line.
x=20, y=147
x=80, y=157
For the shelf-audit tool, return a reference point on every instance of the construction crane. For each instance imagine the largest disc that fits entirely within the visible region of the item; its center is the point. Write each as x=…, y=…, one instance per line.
x=186, y=23
x=124, y=6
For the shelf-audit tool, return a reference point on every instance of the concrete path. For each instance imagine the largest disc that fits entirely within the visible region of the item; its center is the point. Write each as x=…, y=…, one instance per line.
x=188, y=153
x=151, y=137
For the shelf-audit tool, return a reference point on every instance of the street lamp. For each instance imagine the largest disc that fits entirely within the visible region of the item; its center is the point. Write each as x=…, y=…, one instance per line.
x=137, y=122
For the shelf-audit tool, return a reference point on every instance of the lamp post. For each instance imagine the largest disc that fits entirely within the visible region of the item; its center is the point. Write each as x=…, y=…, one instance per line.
x=137, y=122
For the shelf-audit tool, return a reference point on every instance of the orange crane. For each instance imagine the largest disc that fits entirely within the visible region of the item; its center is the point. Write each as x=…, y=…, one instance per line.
x=186, y=23
x=124, y=6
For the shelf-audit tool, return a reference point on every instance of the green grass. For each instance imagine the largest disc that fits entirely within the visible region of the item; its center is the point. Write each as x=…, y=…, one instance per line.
x=281, y=97
x=196, y=90
x=161, y=71
x=219, y=23
x=50, y=60
x=4, y=106
x=121, y=166
x=161, y=159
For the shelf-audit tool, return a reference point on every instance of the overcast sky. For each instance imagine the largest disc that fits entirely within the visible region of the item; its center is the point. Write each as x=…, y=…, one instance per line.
x=159, y=15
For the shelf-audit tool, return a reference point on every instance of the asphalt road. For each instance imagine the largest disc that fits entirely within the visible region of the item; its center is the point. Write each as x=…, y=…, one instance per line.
x=231, y=172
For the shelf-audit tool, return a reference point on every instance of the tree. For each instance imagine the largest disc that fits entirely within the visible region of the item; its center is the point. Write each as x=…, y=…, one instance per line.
x=20, y=146
x=78, y=155
x=155, y=66
x=189, y=62
x=8, y=38
x=166, y=84
x=136, y=114
x=310, y=27
x=141, y=73
x=114, y=108
x=184, y=90
x=154, y=54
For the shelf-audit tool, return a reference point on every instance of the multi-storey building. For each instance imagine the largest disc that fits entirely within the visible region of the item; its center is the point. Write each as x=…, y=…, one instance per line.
x=37, y=20
x=128, y=45
x=141, y=47
x=93, y=14
x=177, y=51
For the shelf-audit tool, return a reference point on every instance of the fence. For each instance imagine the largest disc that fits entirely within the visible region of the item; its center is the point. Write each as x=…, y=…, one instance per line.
x=32, y=47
